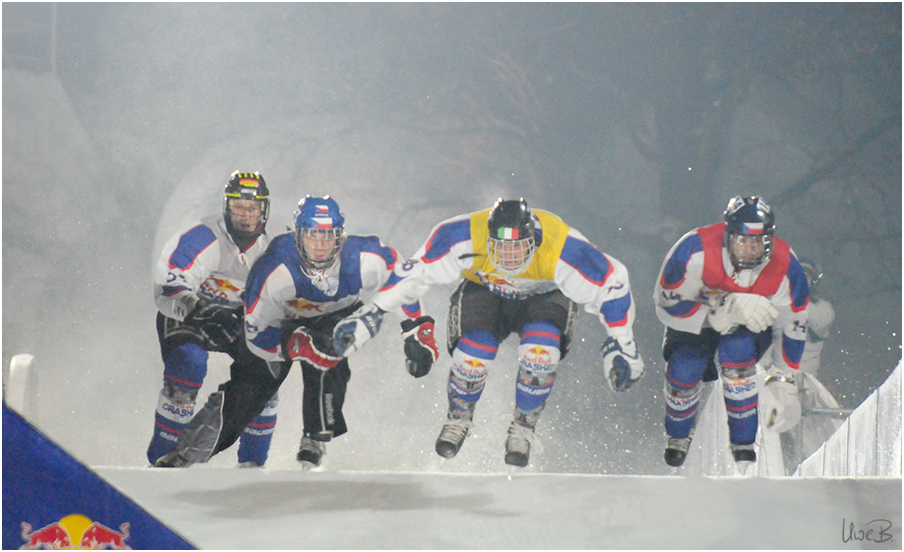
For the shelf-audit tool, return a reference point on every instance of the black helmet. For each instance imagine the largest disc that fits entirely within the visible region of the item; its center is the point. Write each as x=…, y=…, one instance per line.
x=246, y=186
x=749, y=218
x=511, y=244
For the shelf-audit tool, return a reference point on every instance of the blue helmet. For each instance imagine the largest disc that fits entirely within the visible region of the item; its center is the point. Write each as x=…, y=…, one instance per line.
x=319, y=221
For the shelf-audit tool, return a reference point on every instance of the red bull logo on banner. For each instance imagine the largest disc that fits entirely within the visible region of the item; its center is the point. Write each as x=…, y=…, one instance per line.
x=75, y=532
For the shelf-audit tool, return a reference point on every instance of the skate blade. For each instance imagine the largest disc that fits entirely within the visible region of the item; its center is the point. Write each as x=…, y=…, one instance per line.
x=309, y=466
x=745, y=469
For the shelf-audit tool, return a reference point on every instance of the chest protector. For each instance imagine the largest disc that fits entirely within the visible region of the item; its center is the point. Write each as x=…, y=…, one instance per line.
x=715, y=277
x=542, y=266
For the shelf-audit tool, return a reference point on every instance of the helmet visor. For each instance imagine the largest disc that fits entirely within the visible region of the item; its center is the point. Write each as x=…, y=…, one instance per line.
x=320, y=246
x=246, y=215
x=750, y=250
x=511, y=257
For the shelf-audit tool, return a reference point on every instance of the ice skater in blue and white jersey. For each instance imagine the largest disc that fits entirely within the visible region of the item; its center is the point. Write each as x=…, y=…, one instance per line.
x=198, y=285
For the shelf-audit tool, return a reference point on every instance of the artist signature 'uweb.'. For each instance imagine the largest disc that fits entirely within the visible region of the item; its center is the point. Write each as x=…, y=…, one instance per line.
x=876, y=530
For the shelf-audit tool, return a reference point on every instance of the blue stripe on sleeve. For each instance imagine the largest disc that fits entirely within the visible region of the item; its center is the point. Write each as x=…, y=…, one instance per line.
x=445, y=237
x=268, y=339
x=615, y=311
x=682, y=309
x=586, y=259
x=797, y=278
x=675, y=268
x=190, y=245
x=792, y=350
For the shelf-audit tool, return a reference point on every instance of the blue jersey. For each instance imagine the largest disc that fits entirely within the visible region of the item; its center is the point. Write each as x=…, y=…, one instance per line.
x=278, y=289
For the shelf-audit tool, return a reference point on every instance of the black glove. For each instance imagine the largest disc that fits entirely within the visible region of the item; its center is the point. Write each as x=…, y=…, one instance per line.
x=420, y=345
x=220, y=324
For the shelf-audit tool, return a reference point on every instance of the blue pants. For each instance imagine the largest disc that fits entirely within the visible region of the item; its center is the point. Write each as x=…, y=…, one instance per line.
x=692, y=359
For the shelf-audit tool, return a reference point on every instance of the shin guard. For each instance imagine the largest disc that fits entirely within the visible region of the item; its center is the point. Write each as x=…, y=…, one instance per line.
x=183, y=374
x=254, y=444
x=469, y=372
x=539, y=355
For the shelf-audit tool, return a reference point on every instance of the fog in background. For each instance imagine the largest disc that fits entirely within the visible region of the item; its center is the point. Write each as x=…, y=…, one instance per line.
x=634, y=122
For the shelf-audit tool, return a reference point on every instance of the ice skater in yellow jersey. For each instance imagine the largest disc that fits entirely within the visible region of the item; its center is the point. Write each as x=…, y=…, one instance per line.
x=520, y=270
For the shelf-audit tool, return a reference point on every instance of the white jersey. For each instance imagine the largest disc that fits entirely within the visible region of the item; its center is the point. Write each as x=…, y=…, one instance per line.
x=564, y=260
x=697, y=270
x=203, y=262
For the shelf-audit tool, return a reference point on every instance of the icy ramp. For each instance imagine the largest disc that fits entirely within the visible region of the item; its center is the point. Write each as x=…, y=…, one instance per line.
x=219, y=508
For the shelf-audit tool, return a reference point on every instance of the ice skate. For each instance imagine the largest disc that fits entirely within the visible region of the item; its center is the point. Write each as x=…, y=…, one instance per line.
x=172, y=459
x=310, y=452
x=452, y=436
x=248, y=464
x=743, y=453
x=518, y=443
x=676, y=449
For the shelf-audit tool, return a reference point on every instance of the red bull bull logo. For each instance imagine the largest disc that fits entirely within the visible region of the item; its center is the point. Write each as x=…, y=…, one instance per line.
x=225, y=285
x=301, y=305
x=474, y=363
x=72, y=529
x=538, y=351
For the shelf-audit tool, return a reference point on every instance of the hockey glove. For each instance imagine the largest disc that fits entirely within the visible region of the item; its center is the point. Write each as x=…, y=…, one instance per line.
x=420, y=345
x=719, y=320
x=746, y=309
x=352, y=332
x=219, y=324
x=301, y=346
x=621, y=362
x=780, y=401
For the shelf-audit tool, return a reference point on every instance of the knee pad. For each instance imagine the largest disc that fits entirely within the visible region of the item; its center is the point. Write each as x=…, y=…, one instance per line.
x=738, y=354
x=185, y=367
x=687, y=365
x=479, y=344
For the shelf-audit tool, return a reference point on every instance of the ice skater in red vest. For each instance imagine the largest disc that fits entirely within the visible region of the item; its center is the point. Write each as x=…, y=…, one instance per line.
x=725, y=293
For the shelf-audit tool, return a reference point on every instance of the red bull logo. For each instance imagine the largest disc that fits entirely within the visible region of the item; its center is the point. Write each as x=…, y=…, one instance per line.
x=474, y=363
x=75, y=528
x=225, y=285
x=497, y=281
x=301, y=305
x=538, y=351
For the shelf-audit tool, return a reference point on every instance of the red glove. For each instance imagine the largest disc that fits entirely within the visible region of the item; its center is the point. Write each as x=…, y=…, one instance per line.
x=300, y=346
x=420, y=345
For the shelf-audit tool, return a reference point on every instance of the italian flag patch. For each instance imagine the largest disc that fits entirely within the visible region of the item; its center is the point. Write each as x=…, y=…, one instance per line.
x=508, y=234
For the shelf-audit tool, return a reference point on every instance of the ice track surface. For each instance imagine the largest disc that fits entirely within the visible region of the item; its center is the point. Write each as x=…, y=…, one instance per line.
x=226, y=508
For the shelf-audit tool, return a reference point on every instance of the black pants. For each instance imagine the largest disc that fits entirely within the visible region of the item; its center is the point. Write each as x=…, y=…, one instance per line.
x=474, y=307
x=248, y=390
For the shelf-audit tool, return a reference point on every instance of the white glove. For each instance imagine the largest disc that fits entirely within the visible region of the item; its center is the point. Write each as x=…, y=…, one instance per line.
x=743, y=309
x=621, y=362
x=780, y=401
x=352, y=332
x=719, y=320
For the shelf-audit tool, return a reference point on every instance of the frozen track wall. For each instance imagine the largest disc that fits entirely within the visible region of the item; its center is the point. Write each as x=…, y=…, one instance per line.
x=868, y=443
